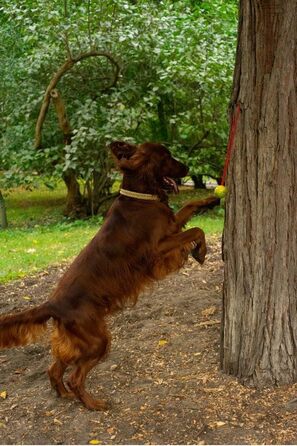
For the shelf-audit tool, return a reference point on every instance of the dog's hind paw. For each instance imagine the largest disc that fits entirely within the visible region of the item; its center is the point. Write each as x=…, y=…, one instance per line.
x=93, y=404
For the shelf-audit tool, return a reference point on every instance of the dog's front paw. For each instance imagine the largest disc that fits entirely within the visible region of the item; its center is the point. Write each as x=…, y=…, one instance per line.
x=199, y=252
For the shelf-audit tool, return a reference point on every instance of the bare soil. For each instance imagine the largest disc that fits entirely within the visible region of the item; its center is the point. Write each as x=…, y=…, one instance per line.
x=162, y=376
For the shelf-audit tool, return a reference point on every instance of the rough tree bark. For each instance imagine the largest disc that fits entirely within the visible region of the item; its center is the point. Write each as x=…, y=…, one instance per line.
x=259, y=332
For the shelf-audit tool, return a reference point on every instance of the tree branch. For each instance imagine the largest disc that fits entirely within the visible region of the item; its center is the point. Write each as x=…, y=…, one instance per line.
x=197, y=145
x=62, y=116
x=67, y=65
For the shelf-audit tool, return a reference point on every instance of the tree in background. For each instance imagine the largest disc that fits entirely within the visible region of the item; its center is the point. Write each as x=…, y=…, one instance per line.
x=259, y=342
x=175, y=61
x=3, y=215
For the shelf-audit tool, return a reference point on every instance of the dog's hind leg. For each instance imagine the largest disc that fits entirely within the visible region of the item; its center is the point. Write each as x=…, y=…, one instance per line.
x=65, y=353
x=83, y=366
x=55, y=373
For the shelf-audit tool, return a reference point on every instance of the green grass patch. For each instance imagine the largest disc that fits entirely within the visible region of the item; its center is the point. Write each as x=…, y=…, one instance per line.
x=211, y=224
x=39, y=236
x=26, y=251
x=41, y=206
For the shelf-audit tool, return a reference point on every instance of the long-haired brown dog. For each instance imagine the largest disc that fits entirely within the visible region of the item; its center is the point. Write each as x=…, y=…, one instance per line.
x=140, y=242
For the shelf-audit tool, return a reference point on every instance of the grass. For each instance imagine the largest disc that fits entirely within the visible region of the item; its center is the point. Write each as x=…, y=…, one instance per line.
x=28, y=251
x=39, y=236
x=211, y=224
x=38, y=207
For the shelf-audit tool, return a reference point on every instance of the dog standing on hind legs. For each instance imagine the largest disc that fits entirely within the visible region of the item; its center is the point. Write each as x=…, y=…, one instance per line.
x=141, y=241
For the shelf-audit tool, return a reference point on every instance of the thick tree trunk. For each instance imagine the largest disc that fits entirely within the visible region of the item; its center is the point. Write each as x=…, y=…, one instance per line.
x=259, y=333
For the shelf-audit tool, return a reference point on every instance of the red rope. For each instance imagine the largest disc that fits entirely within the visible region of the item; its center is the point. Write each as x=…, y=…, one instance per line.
x=230, y=142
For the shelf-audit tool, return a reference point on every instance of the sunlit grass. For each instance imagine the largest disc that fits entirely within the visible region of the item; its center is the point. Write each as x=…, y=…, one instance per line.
x=27, y=251
x=211, y=225
x=40, y=206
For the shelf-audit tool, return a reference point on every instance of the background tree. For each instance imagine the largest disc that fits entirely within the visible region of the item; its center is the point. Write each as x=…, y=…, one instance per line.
x=176, y=63
x=260, y=250
x=3, y=216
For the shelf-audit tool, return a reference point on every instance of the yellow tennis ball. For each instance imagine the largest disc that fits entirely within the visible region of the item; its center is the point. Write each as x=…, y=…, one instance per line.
x=220, y=191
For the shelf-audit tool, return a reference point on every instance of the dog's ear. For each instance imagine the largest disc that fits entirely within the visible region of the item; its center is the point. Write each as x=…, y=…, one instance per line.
x=122, y=150
x=128, y=157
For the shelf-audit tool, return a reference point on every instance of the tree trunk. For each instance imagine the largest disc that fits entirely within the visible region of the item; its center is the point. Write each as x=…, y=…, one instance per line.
x=3, y=216
x=101, y=191
x=259, y=332
x=198, y=181
x=75, y=206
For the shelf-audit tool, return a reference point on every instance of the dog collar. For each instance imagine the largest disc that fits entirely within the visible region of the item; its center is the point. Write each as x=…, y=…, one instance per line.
x=140, y=196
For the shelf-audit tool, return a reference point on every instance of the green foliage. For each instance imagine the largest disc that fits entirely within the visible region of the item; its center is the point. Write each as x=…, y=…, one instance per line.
x=176, y=60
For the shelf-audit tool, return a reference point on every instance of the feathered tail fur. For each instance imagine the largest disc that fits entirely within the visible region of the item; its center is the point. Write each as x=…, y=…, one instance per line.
x=24, y=327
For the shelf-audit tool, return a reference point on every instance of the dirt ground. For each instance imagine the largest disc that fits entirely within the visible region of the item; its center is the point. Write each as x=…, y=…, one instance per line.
x=162, y=376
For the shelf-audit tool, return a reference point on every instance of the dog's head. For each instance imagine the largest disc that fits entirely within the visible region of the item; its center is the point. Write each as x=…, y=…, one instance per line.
x=150, y=163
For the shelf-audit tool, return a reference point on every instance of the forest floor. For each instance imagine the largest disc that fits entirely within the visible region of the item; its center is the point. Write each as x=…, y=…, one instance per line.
x=162, y=376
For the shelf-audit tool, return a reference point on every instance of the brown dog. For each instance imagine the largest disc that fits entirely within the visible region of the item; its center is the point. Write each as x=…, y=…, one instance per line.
x=141, y=241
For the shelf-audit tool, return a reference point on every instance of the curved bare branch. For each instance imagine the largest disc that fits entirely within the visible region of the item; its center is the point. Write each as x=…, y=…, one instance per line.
x=67, y=65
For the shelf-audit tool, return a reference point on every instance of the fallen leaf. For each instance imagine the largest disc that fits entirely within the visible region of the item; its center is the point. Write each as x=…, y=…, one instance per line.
x=217, y=424
x=27, y=297
x=206, y=323
x=162, y=342
x=3, y=394
x=56, y=421
x=159, y=381
x=209, y=311
x=95, y=441
x=30, y=250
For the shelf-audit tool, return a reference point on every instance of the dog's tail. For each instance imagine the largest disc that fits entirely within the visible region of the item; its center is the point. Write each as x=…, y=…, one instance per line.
x=24, y=327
